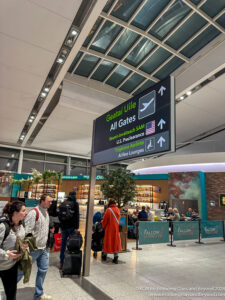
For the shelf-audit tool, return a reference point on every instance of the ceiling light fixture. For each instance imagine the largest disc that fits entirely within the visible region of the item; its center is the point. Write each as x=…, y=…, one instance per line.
x=189, y=93
x=8, y=164
x=182, y=98
x=71, y=36
x=46, y=89
x=60, y=60
x=32, y=117
x=74, y=32
x=43, y=94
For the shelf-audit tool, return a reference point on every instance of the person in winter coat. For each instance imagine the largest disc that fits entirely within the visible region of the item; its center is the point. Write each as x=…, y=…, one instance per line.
x=110, y=222
x=11, y=227
x=37, y=223
x=69, y=218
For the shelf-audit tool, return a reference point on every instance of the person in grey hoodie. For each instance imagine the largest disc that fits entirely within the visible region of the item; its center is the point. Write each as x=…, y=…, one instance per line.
x=37, y=223
x=10, y=227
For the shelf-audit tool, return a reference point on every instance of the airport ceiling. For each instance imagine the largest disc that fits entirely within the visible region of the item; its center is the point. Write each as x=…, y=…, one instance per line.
x=62, y=66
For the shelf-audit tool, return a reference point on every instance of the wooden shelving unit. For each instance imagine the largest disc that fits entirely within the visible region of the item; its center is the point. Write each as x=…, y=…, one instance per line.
x=82, y=192
x=38, y=189
x=144, y=194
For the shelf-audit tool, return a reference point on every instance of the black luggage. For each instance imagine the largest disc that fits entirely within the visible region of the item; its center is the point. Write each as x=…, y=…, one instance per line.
x=97, y=237
x=75, y=241
x=131, y=234
x=72, y=263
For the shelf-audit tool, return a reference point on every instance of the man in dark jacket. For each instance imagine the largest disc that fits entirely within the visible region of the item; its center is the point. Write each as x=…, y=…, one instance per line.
x=69, y=221
x=143, y=216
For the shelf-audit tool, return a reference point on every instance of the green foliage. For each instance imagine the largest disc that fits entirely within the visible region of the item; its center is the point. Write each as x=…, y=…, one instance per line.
x=50, y=176
x=37, y=176
x=119, y=185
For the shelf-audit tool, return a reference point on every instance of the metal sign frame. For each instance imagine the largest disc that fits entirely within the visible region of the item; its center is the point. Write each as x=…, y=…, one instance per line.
x=90, y=207
x=171, y=131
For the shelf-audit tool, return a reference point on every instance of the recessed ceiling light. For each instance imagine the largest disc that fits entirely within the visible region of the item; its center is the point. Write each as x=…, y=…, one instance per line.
x=189, y=93
x=32, y=117
x=182, y=98
x=43, y=94
x=60, y=60
x=74, y=32
x=30, y=120
x=13, y=155
x=8, y=164
x=46, y=89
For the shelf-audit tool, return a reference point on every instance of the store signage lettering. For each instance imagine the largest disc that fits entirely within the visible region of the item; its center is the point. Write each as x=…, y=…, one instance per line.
x=143, y=125
x=153, y=232
x=210, y=229
x=81, y=177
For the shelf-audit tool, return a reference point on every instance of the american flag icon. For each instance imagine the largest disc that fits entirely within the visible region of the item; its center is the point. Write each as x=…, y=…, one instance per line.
x=150, y=127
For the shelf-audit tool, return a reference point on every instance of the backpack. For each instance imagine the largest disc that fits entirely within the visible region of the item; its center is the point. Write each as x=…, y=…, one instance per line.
x=66, y=211
x=75, y=241
x=7, y=227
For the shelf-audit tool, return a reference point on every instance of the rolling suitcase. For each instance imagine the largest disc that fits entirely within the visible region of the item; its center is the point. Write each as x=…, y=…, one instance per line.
x=72, y=263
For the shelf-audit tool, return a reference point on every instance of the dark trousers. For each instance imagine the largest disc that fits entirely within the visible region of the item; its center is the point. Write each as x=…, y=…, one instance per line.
x=65, y=234
x=9, y=280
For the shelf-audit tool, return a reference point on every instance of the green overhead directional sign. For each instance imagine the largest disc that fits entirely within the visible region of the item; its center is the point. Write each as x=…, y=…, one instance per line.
x=142, y=126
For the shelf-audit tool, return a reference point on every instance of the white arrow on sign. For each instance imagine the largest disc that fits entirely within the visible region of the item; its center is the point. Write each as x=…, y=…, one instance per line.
x=160, y=141
x=161, y=90
x=161, y=123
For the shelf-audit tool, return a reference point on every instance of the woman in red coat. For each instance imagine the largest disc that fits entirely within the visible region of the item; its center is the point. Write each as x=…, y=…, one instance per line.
x=110, y=222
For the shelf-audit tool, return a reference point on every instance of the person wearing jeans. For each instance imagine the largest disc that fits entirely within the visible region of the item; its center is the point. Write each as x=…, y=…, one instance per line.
x=65, y=234
x=37, y=223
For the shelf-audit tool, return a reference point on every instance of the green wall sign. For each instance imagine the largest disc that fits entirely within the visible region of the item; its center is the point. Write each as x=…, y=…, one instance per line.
x=153, y=232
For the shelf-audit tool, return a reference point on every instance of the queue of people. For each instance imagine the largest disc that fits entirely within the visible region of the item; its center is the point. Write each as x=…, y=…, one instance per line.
x=36, y=224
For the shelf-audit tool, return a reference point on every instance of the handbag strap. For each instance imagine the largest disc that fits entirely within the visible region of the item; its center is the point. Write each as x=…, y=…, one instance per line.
x=114, y=215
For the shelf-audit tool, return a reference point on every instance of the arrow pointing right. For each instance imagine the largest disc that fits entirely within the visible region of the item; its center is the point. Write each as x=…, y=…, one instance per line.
x=161, y=123
x=160, y=141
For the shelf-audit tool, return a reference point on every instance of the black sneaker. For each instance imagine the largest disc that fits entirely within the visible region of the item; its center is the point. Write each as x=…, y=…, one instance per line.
x=115, y=260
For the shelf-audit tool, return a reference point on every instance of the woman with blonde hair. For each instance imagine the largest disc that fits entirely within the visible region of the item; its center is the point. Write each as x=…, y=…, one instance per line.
x=176, y=216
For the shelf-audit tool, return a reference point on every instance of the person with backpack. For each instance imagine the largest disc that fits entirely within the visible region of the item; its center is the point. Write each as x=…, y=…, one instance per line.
x=37, y=223
x=10, y=228
x=69, y=221
x=110, y=222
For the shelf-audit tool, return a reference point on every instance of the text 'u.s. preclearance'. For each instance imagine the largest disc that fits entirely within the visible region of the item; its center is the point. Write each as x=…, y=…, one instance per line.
x=141, y=126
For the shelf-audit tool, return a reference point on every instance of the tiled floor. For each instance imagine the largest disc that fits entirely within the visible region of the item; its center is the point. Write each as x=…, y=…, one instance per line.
x=188, y=271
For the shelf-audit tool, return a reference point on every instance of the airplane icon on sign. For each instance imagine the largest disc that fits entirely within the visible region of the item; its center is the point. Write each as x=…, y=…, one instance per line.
x=146, y=105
